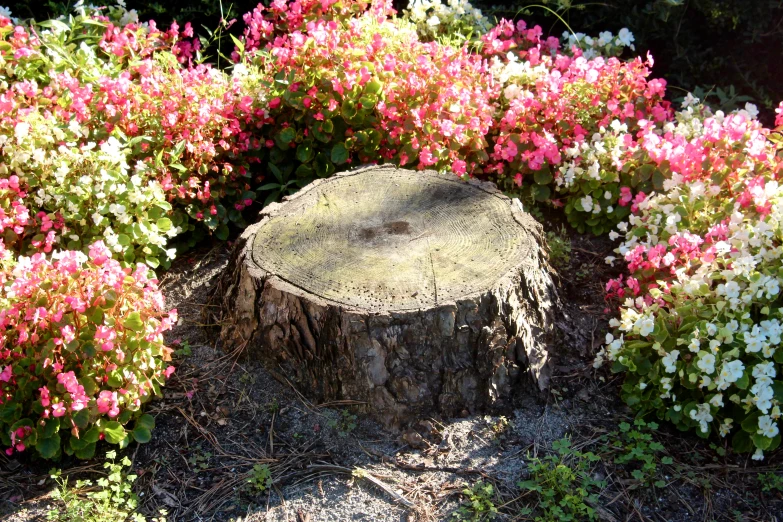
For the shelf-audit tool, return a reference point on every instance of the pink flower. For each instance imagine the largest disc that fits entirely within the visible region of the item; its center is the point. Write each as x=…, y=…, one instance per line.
x=58, y=409
x=6, y=374
x=99, y=253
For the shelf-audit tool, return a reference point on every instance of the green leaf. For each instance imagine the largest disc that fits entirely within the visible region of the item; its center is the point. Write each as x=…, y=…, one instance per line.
x=164, y=224
x=81, y=418
x=49, y=429
x=240, y=46
x=658, y=179
x=92, y=435
x=541, y=192
x=133, y=322
x=348, y=109
x=743, y=382
x=339, y=154
x=113, y=432
x=146, y=421
x=304, y=152
x=285, y=136
x=760, y=441
x=543, y=176
x=221, y=232
x=142, y=435
x=741, y=442
x=373, y=87
x=178, y=166
x=751, y=423
x=86, y=452
x=49, y=447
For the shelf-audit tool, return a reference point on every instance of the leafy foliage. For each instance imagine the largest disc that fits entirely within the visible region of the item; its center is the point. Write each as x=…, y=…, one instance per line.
x=562, y=484
x=108, y=499
x=478, y=504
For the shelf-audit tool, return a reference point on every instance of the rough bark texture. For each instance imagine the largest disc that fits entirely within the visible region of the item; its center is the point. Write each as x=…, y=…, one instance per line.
x=414, y=292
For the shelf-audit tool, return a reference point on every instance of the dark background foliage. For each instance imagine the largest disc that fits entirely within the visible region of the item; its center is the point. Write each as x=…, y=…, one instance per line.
x=728, y=51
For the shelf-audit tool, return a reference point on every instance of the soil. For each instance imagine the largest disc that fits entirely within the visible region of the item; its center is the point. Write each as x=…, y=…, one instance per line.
x=222, y=414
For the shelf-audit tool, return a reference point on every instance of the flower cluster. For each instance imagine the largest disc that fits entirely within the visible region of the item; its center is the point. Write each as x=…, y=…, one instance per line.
x=606, y=44
x=568, y=123
x=365, y=90
x=81, y=350
x=117, y=139
x=457, y=19
x=700, y=321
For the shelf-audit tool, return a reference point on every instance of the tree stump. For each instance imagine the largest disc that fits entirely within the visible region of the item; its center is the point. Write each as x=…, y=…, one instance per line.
x=413, y=292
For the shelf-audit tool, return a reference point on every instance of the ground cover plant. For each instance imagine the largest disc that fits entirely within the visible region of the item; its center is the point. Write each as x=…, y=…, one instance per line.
x=120, y=148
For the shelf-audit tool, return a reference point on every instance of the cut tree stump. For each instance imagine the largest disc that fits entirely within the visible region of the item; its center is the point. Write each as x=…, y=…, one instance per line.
x=413, y=292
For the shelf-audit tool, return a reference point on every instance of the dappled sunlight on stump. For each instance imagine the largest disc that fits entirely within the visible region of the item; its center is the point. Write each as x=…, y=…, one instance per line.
x=411, y=292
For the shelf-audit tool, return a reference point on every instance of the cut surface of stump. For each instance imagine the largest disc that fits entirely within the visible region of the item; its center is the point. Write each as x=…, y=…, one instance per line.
x=411, y=292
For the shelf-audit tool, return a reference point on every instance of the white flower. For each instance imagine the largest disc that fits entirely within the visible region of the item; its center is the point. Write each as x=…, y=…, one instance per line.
x=433, y=21
x=752, y=110
x=725, y=427
x=5, y=12
x=669, y=361
x=717, y=400
x=703, y=416
x=764, y=370
x=129, y=17
x=21, y=130
x=625, y=37
x=767, y=427
x=587, y=203
x=646, y=325
x=706, y=363
x=690, y=100
x=762, y=396
x=758, y=455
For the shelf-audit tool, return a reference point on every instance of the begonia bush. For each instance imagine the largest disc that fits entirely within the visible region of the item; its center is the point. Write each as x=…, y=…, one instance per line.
x=362, y=90
x=700, y=319
x=116, y=138
x=566, y=124
x=81, y=350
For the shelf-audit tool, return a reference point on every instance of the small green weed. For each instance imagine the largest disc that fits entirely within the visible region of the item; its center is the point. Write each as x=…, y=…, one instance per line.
x=634, y=446
x=273, y=407
x=478, y=504
x=199, y=460
x=344, y=424
x=563, y=485
x=184, y=349
x=771, y=482
x=109, y=499
x=559, y=247
x=260, y=478
x=500, y=428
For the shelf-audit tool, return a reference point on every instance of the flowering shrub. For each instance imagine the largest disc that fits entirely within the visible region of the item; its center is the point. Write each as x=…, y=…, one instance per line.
x=81, y=350
x=365, y=90
x=700, y=321
x=568, y=123
x=115, y=139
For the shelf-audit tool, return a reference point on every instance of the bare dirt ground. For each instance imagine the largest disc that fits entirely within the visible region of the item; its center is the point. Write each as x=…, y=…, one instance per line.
x=222, y=415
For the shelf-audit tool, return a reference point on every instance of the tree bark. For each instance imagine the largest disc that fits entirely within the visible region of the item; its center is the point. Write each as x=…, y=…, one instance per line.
x=414, y=292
